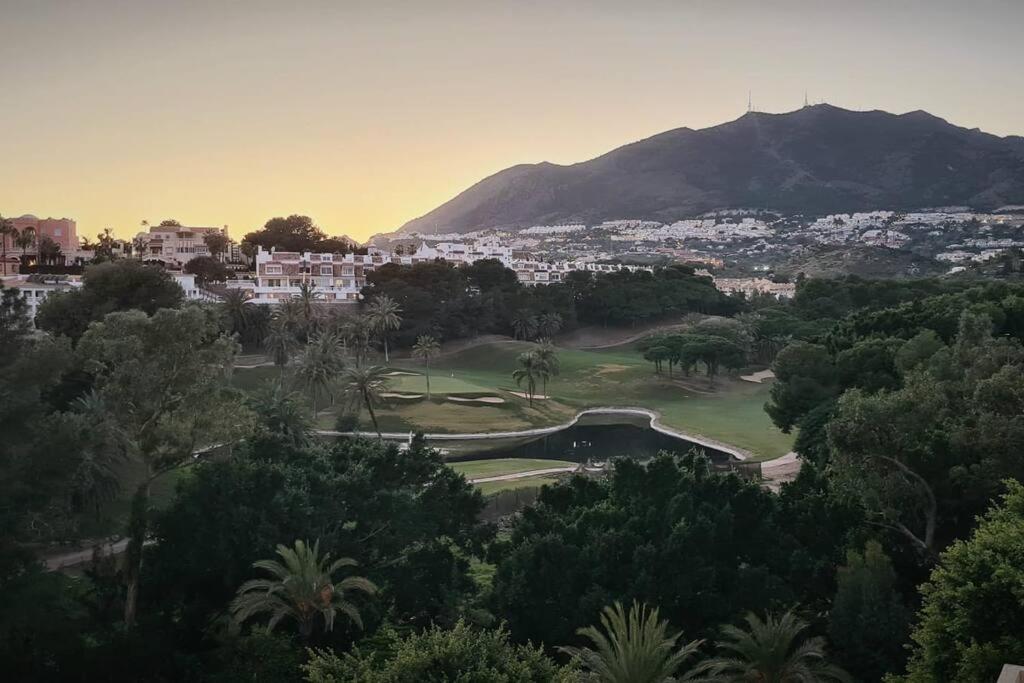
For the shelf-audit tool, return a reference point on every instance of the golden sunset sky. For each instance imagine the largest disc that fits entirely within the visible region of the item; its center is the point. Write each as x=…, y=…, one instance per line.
x=364, y=115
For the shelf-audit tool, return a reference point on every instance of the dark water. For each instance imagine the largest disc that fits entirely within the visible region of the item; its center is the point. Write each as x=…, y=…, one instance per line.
x=596, y=443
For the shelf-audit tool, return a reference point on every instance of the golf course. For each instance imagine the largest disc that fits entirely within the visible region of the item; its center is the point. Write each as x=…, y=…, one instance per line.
x=472, y=391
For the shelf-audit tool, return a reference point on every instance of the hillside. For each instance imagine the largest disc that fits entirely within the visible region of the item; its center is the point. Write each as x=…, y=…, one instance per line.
x=819, y=159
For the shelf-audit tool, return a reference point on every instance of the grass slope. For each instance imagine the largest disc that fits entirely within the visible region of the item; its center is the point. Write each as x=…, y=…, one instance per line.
x=730, y=412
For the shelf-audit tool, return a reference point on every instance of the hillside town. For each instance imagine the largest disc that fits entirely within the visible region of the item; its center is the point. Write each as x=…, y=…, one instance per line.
x=744, y=250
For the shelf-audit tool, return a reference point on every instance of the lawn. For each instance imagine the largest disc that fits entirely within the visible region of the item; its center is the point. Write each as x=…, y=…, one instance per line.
x=479, y=469
x=731, y=411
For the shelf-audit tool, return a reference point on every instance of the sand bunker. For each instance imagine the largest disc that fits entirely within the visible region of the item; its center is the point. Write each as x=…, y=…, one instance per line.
x=401, y=372
x=536, y=397
x=758, y=377
x=397, y=395
x=480, y=399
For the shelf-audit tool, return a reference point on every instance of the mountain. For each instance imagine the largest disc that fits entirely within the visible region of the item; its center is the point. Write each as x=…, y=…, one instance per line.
x=819, y=159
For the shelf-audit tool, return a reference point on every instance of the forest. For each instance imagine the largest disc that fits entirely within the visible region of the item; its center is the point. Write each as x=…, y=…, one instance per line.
x=276, y=554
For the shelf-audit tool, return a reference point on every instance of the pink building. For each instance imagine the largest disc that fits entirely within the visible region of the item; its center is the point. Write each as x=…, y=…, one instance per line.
x=63, y=231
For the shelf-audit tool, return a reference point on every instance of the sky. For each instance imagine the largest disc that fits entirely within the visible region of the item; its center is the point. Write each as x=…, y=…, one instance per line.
x=364, y=115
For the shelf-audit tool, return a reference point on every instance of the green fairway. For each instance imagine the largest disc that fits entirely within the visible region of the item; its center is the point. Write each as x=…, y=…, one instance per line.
x=478, y=469
x=731, y=411
x=489, y=487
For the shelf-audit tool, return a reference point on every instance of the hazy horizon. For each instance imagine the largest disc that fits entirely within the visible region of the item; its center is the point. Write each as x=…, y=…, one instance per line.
x=366, y=115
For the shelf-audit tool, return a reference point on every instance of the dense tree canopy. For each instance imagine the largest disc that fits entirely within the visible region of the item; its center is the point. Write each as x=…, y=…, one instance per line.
x=969, y=624
x=121, y=285
x=659, y=534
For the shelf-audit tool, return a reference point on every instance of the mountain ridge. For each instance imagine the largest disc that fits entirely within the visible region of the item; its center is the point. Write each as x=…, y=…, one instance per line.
x=818, y=159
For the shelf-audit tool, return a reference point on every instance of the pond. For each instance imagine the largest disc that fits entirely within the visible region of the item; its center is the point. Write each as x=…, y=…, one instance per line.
x=594, y=439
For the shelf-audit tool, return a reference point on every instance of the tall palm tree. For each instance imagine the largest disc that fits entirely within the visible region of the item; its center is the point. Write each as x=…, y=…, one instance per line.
x=6, y=228
x=548, y=324
x=237, y=309
x=279, y=343
x=384, y=315
x=282, y=413
x=632, y=648
x=25, y=240
x=364, y=386
x=319, y=365
x=547, y=355
x=307, y=301
x=524, y=325
x=773, y=650
x=302, y=588
x=355, y=334
x=426, y=348
x=529, y=371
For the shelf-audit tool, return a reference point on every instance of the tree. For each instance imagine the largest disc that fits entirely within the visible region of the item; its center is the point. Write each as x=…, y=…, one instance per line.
x=207, y=269
x=632, y=648
x=868, y=622
x=547, y=357
x=524, y=325
x=294, y=233
x=383, y=313
x=548, y=324
x=926, y=458
x=529, y=371
x=772, y=649
x=49, y=251
x=6, y=228
x=705, y=547
x=26, y=239
x=306, y=301
x=364, y=386
x=321, y=363
x=969, y=622
x=216, y=243
x=280, y=415
x=439, y=655
x=303, y=589
x=164, y=383
x=169, y=223
x=408, y=519
x=426, y=349
x=108, y=287
x=280, y=343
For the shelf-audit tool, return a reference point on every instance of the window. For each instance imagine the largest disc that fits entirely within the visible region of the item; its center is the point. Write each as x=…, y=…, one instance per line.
x=272, y=269
x=327, y=270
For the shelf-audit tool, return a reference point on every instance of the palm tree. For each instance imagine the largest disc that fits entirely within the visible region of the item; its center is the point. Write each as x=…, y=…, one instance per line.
x=548, y=324
x=307, y=299
x=6, y=228
x=25, y=240
x=236, y=307
x=773, y=650
x=355, y=334
x=383, y=312
x=547, y=355
x=426, y=348
x=529, y=370
x=364, y=386
x=281, y=413
x=279, y=343
x=320, y=364
x=302, y=589
x=632, y=648
x=524, y=325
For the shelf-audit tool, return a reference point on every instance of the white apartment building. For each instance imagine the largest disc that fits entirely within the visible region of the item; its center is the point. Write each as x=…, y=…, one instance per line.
x=35, y=288
x=755, y=285
x=338, y=278
x=531, y=273
x=174, y=245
